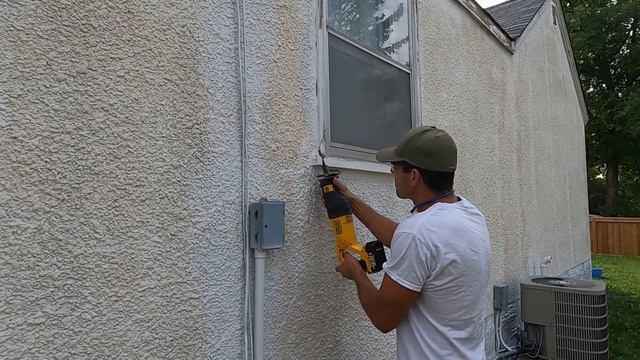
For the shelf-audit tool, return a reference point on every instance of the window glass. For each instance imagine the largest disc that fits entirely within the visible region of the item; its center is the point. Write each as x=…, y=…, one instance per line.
x=370, y=100
x=381, y=25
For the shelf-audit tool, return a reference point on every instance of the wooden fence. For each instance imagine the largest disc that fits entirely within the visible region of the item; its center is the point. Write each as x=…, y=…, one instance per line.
x=615, y=235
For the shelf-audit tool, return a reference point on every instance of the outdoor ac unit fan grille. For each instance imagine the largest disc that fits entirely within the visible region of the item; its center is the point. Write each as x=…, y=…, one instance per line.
x=581, y=299
x=568, y=344
x=581, y=310
x=580, y=333
x=581, y=322
x=581, y=326
x=571, y=355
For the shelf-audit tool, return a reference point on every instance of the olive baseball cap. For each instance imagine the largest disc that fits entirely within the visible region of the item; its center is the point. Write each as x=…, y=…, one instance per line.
x=426, y=147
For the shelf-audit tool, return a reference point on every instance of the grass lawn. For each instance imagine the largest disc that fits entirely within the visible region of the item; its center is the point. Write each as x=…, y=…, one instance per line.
x=622, y=275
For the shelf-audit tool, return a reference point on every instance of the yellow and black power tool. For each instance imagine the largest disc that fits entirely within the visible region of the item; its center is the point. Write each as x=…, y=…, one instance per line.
x=371, y=254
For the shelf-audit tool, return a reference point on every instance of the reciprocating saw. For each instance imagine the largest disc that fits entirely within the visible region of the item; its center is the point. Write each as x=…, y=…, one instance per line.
x=371, y=254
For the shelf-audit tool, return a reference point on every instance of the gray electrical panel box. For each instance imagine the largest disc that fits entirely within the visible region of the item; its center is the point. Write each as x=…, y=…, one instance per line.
x=501, y=296
x=266, y=225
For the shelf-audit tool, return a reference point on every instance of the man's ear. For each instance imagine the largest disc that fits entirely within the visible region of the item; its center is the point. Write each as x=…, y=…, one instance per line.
x=415, y=176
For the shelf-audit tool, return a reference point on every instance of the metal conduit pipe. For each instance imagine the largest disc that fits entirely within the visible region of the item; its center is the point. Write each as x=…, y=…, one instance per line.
x=258, y=325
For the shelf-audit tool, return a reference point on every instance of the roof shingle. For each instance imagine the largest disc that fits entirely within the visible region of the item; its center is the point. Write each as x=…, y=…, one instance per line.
x=514, y=16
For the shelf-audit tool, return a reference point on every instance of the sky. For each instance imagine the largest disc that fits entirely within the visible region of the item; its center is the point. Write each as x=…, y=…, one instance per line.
x=487, y=3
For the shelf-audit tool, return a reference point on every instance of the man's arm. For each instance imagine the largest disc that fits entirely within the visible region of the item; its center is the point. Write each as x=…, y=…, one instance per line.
x=387, y=306
x=380, y=226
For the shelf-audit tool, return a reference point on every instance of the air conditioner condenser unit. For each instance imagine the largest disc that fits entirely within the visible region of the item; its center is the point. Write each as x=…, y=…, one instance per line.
x=568, y=316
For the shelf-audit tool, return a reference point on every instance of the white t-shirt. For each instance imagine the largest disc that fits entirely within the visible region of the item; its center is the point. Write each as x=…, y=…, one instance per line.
x=443, y=253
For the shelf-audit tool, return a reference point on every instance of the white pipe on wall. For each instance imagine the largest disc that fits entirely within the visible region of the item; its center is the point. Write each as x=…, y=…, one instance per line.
x=258, y=324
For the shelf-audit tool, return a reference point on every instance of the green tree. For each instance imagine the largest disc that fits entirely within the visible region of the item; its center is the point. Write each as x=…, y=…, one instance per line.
x=605, y=38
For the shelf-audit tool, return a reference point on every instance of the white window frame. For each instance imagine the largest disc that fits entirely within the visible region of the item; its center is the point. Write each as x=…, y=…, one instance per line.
x=347, y=155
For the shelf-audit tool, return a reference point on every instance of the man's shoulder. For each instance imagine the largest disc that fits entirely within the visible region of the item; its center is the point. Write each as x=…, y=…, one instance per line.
x=443, y=219
x=414, y=223
x=455, y=212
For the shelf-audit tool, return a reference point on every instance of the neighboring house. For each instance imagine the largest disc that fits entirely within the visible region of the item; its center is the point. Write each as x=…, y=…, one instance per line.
x=130, y=131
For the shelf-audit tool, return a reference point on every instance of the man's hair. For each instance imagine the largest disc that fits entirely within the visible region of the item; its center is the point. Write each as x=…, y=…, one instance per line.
x=437, y=181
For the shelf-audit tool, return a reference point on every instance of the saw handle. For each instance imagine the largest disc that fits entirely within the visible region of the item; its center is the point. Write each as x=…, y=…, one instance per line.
x=371, y=255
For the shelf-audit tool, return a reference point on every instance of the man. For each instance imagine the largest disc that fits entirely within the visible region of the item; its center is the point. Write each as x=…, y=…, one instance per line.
x=434, y=285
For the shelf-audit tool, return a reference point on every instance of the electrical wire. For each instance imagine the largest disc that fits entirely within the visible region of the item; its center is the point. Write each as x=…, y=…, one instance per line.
x=495, y=333
x=539, y=343
x=500, y=332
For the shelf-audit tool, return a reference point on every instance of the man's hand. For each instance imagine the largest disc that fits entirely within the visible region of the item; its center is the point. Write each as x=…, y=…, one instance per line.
x=350, y=268
x=343, y=189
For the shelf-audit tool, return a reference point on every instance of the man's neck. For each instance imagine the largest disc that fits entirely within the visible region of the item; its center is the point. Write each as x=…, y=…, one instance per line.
x=429, y=195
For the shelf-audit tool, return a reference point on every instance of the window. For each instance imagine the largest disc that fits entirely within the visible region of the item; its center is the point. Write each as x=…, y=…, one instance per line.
x=370, y=75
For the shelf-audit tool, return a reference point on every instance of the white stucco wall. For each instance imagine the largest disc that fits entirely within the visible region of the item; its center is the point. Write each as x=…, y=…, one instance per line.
x=119, y=180
x=120, y=174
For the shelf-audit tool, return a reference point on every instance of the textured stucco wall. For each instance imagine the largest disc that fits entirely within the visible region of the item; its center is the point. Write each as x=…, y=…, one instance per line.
x=309, y=312
x=554, y=168
x=120, y=173
x=119, y=180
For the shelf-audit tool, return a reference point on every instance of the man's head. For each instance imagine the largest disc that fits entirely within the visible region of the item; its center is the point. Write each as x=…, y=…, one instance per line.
x=408, y=177
x=426, y=156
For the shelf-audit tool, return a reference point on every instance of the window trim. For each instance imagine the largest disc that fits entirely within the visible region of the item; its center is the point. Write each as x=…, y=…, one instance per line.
x=349, y=152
